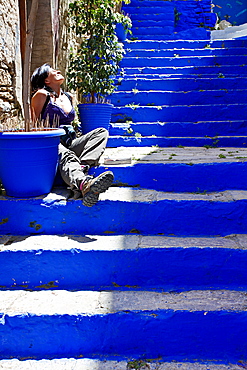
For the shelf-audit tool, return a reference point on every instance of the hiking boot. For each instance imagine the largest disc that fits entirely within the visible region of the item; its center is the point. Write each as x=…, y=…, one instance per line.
x=92, y=187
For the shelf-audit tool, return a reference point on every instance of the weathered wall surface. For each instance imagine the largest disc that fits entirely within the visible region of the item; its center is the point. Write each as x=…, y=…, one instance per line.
x=10, y=62
x=191, y=15
x=234, y=11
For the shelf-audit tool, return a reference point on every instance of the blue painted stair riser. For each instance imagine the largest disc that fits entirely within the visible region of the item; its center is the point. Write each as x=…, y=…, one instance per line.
x=168, y=217
x=208, y=336
x=160, y=269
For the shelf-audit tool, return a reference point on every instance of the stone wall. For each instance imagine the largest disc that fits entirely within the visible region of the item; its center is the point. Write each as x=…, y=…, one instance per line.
x=234, y=12
x=10, y=63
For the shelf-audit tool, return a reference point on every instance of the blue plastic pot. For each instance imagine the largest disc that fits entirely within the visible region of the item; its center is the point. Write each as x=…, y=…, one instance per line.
x=28, y=161
x=121, y=32
x=93, y=116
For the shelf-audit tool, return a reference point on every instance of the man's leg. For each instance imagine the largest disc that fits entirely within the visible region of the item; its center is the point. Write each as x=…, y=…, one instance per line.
x=90, y=146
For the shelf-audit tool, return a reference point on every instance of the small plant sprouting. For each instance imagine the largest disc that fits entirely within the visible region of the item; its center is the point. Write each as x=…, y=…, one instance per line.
x=222, y=156
x=220, y=75
x=172, y=155
x=137, y=365
x=132, y=106
x=200, y=191
x=215, y=143
x=137, y=134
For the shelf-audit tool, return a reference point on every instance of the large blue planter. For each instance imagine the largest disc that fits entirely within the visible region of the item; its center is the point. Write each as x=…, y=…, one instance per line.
x=28, y=161
x=93, y=116
x=121, y=32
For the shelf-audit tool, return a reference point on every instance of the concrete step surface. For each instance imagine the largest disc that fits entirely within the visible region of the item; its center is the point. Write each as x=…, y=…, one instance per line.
x=176, y=155
x=90, y=364
x=62, y=302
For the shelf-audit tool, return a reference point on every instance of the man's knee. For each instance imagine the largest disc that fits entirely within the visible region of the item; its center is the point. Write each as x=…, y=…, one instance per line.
x=101, y=132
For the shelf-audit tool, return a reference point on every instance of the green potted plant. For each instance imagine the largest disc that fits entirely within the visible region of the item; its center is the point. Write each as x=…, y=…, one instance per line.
x=95, y=63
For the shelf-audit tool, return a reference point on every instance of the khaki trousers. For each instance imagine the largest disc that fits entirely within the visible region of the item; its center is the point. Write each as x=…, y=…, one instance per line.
x=84, y=150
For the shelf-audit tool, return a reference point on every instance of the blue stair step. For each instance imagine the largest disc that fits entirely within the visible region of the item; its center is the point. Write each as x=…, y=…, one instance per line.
x=187, y=44
x=152, y=30
x=185, y=84
x=180, y=129
x=202, y=71
x=183, y=52
x=122, y=210
x=100, y=325
x=129, y=262
x=156, y=75
x=193, y=113
x=154, y=22
x=217, y=141
x=149, y=10
x=122, y=98
x=181, y=61
x=180, y=169
x=145, y=3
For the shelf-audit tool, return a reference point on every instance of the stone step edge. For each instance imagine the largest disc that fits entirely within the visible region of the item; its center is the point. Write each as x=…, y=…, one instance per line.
x=126, y=124
x=18, y=243
x=121, y=92
x=177, y=137
x=177, y=75
x=187, y=78
x=210, y=48
x=134, y=106
x=63, y=302
x=132, y=364
x=136, y=195
x=179, y=155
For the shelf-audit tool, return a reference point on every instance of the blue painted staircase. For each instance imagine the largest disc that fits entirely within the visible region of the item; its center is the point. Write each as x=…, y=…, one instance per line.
x=181, y=93
x=154, y=276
